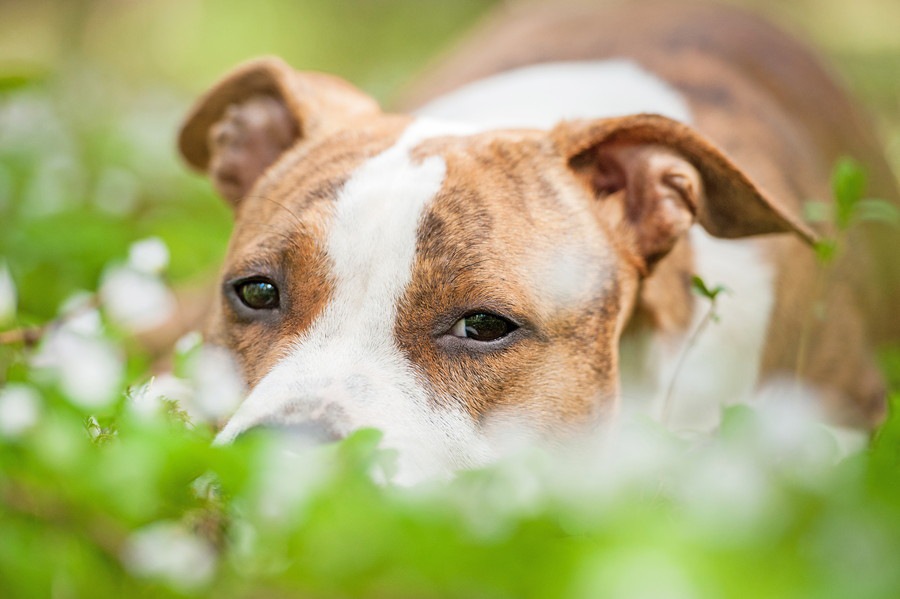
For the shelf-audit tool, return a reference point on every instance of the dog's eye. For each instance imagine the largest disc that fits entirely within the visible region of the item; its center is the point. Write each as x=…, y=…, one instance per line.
x=258, y=294
x=482, y=327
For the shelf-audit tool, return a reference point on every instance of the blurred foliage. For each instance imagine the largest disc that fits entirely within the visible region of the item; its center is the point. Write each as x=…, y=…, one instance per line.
x=849, y=207
x=109, y=499
x=134, y=503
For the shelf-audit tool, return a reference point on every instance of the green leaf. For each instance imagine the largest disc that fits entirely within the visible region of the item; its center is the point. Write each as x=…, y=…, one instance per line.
x=14, y=80
x=884, y=463
x=848, y=183
x=736, y=419
x=817, y=212
x=701, y=288
x=873, y=210
x=826, y=250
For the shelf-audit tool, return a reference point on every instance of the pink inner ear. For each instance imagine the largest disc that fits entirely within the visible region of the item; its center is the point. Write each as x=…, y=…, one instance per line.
x=729, y=205
x=608, y=178
x=247, y=140
x=662, y=192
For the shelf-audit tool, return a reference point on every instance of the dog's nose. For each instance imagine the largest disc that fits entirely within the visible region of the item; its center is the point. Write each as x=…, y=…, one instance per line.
x=312, y=418
x=305, y=433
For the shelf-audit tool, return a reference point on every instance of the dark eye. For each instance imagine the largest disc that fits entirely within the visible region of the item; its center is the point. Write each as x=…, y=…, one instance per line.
x=482, y=327
x=258, y=294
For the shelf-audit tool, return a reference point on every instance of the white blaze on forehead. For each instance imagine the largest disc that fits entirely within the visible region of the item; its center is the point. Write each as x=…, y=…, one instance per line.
x=346, y=371
x=540, y=96
x=372, y=239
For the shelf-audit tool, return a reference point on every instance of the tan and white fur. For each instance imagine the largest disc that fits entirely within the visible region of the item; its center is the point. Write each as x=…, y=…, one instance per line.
x=567, y=171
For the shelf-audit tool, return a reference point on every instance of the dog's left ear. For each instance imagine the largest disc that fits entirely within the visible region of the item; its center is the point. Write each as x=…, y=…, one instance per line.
x=667, y=176
x=256, y=112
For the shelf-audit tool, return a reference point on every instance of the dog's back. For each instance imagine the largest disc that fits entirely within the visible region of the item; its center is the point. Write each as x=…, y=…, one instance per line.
x=722, y=59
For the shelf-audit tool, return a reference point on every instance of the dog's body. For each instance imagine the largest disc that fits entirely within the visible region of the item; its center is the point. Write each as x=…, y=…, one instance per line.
x=770, y=105
x=527, y=240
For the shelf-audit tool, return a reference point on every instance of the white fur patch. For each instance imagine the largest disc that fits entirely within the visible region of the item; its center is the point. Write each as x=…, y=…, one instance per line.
x=345, y=372
x=540, y=96
x=722, y=366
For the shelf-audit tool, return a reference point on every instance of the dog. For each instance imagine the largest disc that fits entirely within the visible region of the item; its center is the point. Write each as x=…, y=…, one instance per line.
x=520, y=245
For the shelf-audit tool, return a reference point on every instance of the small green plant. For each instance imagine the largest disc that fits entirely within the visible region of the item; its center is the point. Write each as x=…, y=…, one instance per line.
x=848, y=209
x=700, y=287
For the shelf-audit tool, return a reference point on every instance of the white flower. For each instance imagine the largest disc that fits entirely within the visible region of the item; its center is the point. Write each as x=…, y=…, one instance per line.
x=187, y=342
x=148, y=399
x=791, y=426
x=79, y=317
x=727, y=490
x=20, y=407
x=7, y=295
x=149, y=256
x=212, y=390
x=290, y=474
x=135, y=300
x=218, y=385
x=166, y=550
x=89, y=369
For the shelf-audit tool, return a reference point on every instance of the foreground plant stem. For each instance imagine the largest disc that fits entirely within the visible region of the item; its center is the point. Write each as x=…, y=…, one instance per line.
x=709, y=317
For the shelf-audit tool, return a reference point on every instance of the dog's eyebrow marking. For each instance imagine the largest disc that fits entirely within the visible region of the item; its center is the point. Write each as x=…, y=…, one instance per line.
x=539, y=96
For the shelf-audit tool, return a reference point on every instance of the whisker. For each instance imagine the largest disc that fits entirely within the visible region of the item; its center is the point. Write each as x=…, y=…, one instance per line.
x=286, y=209
x=266, y=198
x=290, y=239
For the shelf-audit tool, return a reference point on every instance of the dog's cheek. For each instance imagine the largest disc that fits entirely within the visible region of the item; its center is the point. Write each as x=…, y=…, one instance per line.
x=250, y=352
x=542, y=385
x=250, y=345
x=572, y=379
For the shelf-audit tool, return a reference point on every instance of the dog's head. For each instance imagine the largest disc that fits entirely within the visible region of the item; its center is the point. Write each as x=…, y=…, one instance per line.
x=423, y=278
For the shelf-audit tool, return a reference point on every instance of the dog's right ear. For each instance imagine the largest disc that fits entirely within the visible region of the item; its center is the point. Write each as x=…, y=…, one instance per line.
x=249, y=118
